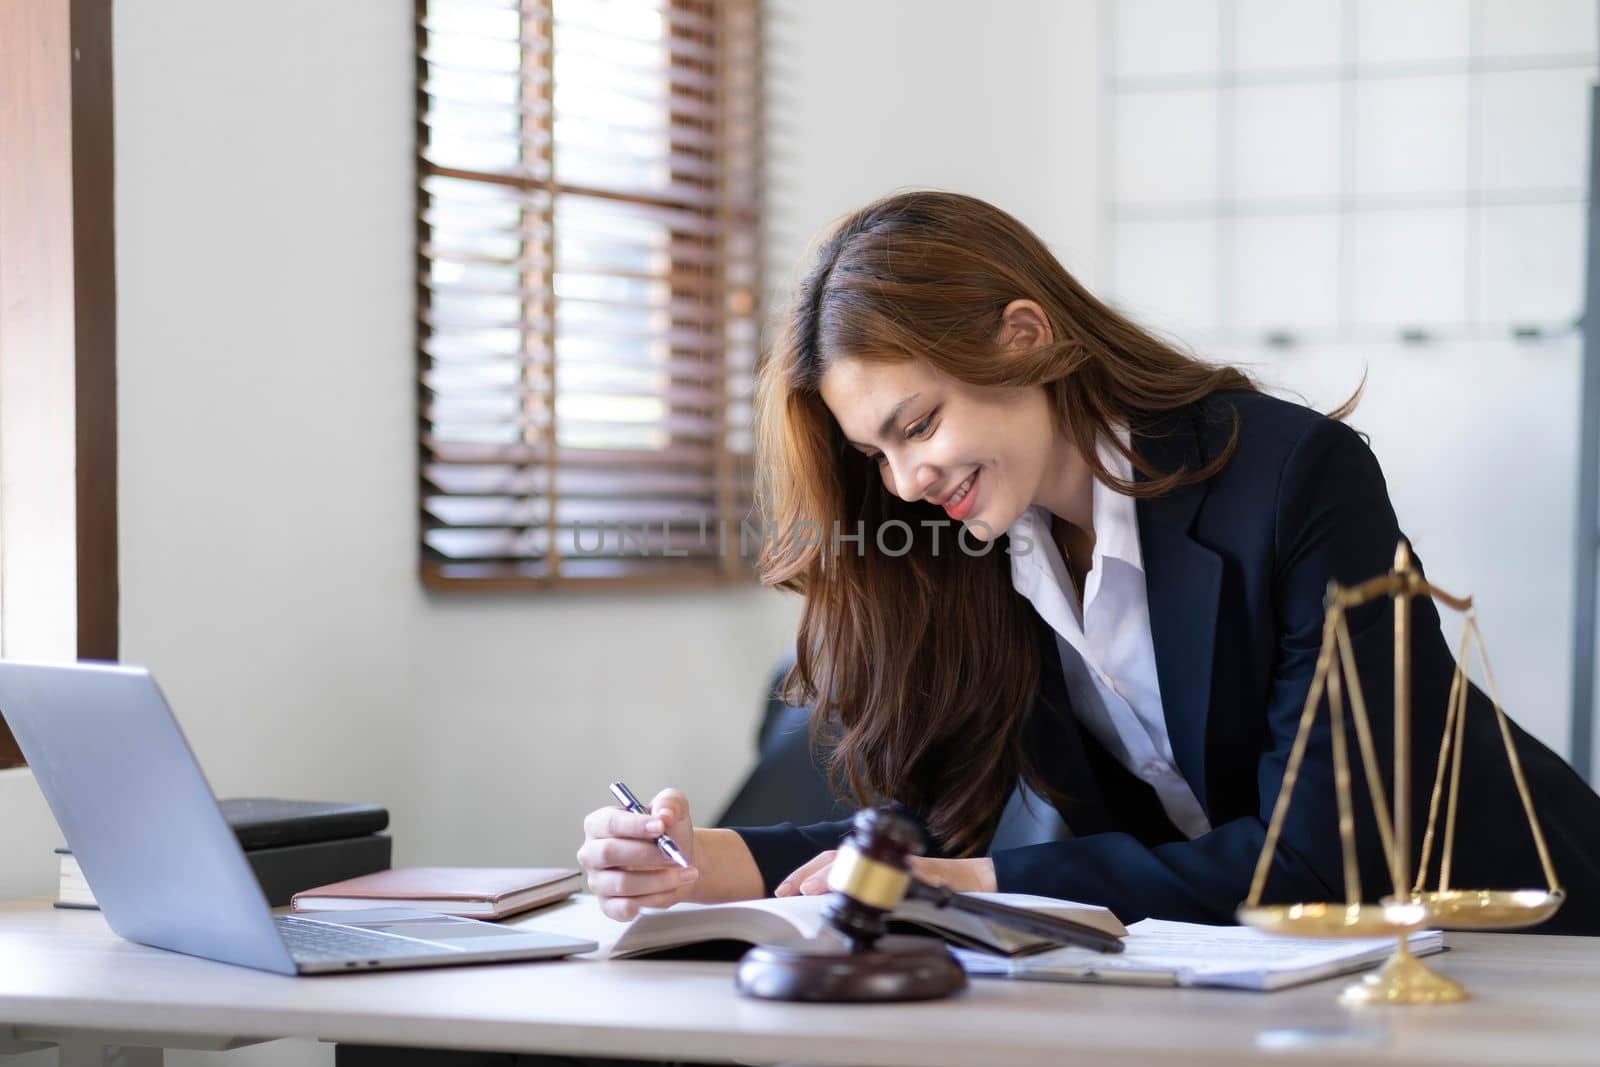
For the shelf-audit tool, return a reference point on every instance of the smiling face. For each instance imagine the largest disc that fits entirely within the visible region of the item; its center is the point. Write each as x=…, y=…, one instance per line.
x=983, y=453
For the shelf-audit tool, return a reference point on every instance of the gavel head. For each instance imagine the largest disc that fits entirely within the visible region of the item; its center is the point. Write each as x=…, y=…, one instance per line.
x=871, y=873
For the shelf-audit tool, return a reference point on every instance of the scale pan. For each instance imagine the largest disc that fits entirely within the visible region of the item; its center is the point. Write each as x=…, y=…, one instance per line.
x=1490, y=909
x=1335, y=920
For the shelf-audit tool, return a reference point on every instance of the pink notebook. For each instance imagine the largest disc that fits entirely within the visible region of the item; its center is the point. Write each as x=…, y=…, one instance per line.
x=473, y=892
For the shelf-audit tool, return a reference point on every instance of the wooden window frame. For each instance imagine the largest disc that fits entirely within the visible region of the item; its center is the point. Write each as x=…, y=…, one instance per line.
x=57, y=265
x=732, y=68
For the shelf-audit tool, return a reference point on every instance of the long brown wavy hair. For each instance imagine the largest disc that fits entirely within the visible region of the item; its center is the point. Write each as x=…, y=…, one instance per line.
x=921, y=667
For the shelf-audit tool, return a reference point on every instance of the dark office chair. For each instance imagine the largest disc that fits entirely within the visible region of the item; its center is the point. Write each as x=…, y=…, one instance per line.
x=788, y=782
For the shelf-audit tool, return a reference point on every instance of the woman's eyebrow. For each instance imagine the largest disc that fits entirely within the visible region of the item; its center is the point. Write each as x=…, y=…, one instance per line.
x=887, y=426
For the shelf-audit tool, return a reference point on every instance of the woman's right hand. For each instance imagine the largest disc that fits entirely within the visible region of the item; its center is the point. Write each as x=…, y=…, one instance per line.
x=625, y=868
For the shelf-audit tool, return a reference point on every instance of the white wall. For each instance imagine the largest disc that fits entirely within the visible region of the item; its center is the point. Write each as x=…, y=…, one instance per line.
x=1337, y=170
x=998, y=102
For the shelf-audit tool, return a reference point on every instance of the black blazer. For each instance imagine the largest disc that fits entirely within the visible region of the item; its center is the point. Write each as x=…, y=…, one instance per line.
x=1235, y=570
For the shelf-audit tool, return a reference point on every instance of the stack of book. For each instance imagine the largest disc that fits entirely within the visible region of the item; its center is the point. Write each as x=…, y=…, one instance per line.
x=292, y=845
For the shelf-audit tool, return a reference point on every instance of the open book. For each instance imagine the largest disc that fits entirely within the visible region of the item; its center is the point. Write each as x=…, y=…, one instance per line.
x=796, y=921
x=1159, y=952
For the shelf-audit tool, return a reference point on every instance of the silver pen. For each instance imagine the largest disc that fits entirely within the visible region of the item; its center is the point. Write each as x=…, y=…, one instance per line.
x=666, y=844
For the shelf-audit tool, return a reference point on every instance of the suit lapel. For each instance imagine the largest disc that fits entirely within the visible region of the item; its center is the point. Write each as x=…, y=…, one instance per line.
x=1183, y=581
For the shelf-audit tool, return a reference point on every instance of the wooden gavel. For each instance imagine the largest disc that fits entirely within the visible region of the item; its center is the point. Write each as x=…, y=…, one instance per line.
x=871, y=876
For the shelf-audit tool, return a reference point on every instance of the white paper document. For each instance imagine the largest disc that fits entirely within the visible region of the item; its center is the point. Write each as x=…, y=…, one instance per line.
x=1159, y=952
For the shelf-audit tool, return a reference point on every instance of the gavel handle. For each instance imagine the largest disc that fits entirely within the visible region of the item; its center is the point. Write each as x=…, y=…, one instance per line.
x=1063, y=931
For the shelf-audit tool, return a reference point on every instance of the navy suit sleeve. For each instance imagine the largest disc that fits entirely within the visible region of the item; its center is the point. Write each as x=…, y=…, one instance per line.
x=1333, y=522
x=780, y=849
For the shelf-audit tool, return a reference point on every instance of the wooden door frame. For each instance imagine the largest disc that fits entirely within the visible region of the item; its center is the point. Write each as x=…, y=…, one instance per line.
x=34, y=74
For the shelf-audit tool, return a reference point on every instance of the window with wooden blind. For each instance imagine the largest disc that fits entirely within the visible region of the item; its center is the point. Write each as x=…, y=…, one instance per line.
x=588, y=194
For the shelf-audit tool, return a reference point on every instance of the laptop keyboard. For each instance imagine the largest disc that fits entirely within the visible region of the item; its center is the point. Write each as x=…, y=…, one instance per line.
x=314, y=942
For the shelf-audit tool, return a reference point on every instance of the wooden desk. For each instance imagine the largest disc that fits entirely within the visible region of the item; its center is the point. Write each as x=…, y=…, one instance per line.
x=65, y=976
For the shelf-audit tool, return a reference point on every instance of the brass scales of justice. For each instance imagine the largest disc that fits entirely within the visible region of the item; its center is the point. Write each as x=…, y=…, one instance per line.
x=1403, y=979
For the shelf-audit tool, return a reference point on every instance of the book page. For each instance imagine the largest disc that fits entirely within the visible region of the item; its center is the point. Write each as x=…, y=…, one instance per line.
x=798, y=920
x=795, y=920
x=770, y=921
x=1193, y=954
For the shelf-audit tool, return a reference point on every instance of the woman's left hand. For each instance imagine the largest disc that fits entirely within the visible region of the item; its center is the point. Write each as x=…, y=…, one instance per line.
x=963, y=876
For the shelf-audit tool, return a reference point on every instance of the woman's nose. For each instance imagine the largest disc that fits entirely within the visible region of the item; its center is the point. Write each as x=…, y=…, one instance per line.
x=911, y=480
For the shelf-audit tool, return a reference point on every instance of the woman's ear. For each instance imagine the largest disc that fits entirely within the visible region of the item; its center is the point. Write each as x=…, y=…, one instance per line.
x=1023, y=326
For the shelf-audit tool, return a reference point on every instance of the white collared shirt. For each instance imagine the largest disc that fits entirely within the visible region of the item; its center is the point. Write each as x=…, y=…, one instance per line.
x=1107, y=655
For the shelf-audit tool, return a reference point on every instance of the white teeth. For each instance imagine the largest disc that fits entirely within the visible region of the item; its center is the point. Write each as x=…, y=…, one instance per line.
x=961, y=493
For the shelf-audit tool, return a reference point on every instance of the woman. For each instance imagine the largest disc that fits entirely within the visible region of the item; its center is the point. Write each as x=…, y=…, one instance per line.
x=1126, y=626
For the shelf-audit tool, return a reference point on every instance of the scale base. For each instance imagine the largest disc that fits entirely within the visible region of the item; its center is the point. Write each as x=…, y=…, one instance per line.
x=897, y=968
x=1403, y=980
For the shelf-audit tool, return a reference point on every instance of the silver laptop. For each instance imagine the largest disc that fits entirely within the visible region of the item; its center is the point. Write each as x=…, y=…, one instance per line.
x=165, y=866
